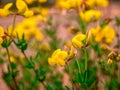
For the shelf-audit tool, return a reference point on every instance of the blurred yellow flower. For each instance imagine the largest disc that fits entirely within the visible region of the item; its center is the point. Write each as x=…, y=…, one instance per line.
x=78, y=40
x=109, y=61
x=28, y=13
x=118, y=57
x=45, y=47
x=105, y=33
x=5, y=10
x=1, y=34
x=23, y=8
x=12, y=59
x=41, y=18
x=58, y=58
x=29, y=1
x=42, y=1
x=97, y=3
x=44, y=11
x=68, y=4
x=29, y=28
x=109, y=34
x=90, y=15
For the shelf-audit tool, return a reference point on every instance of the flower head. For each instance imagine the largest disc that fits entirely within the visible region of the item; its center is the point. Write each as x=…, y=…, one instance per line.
x=58, y=58
x=23, y=8
x=78, y=40
x=105, y=33
x=5, y=10
x=97, y=3
x=90, y=15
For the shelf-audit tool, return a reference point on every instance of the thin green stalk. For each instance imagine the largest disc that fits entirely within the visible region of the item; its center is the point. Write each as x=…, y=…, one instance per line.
x=68, y=68
x=86, y=66
x=33, y=67
x=14, y=81
x=13, y=26
x=78, y=65
x=85, y=54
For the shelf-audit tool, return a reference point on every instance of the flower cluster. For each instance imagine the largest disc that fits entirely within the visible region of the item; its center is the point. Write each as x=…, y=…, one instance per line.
x=105, y=33
x=28, y=27
x=58, y=58
x=68, y=4
x=90, y=15
x=79, y=40
x=113, y=56
x=97, y=3
x=23, y=8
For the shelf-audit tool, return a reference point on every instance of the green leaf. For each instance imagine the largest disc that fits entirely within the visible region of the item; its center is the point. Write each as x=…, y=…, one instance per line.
x=42, y=75
x=22, y=44
x=49, y=87
x=32, y=61
x=28, y=65
x=1, y=61
x=14, y=65
x=83, y=25
x=51, y=32
x=117, y=19
x=15, y=73
x=6, y=44
x=96, y=48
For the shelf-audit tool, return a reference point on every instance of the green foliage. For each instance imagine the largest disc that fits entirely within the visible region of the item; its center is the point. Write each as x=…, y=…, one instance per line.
x=22, y=44
x=6, y=43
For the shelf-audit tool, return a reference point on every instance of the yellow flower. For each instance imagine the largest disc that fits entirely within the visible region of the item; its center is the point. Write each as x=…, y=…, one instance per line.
x=109, y=34
x=45, y=47
x=110, y=61
x=1, y=31
x=74, y=3
x=101, y=3
x=64, y=5
x=1, y=40
x=97, y=34
x=21, y=6
x=68, y=4
x=12, y=59
x=105, y=33
x=9, y=31
x=97, y=3
x=5, y=10
x=29, y=1
x=78, y=40
x=90, y=15
x=29, y=28
x=1, y=34
x=41, y=18
x=44, y=11
x=42, y=1
x=118, y=58
x=38, y=34
x=28, y=13
x=58, y=58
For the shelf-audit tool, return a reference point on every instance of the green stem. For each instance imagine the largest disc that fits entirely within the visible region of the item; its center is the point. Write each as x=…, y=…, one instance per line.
x=14, y=81
x=68, y=69
x=13, y=26
x=33, y=67
x=78, y=65
x=85, y=53
x=86, y=66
